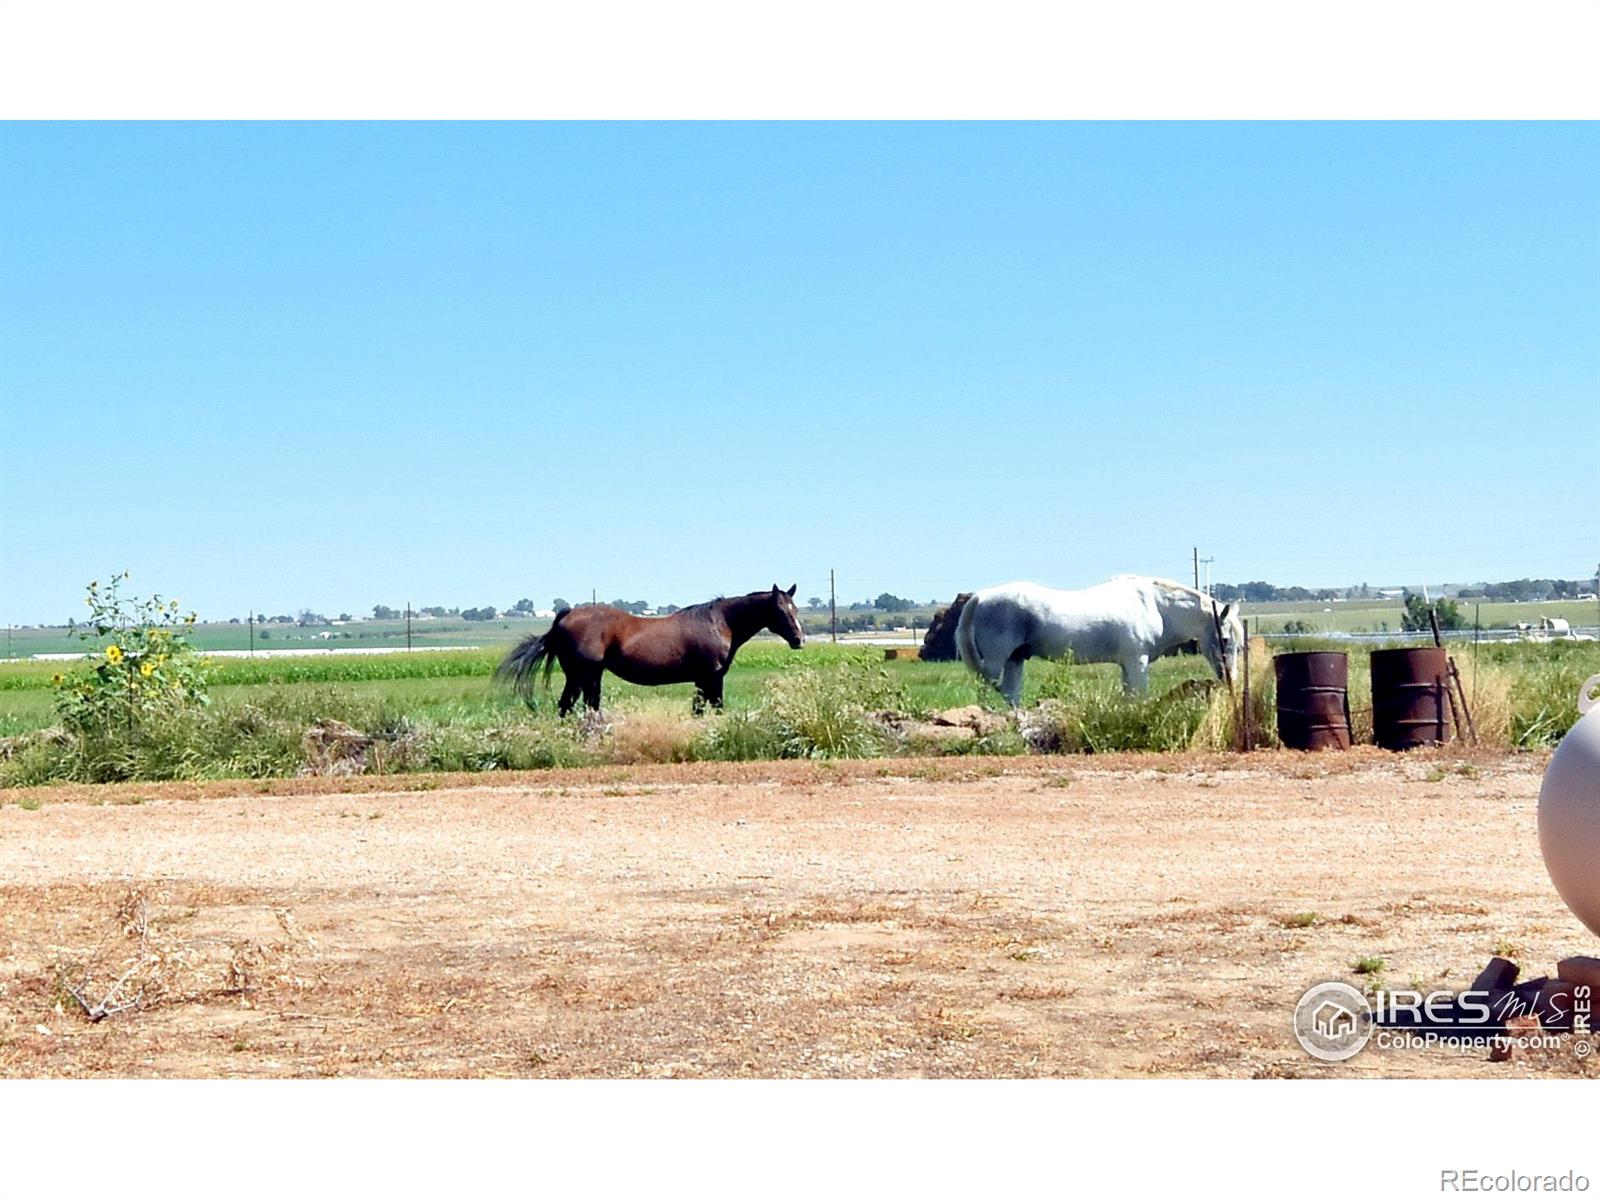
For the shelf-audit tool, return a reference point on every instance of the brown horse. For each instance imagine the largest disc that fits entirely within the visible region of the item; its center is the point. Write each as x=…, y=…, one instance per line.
x=694, y=645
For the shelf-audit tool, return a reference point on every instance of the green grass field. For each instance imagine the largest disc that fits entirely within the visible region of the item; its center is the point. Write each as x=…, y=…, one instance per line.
x=1374, y=616
x=363, y=635
x=456, y=685
x=1346, y=616
x=442, y=711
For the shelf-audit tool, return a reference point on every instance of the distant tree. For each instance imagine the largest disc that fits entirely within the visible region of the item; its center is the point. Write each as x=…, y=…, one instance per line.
x=283, y=619
x=1414, y=618
x=382, y=612
x=265, y=634
x=1517, y=589
x=307, y=617
x=889, y=602
x=558, y=604
x=486, y=613
x=1299, y=626
x=630, y=606
x=436, y=610
x=346, y=617
x=522, y=608
x=1450, y=615
x=667, y=610
x=814, y=602
x=233, y=620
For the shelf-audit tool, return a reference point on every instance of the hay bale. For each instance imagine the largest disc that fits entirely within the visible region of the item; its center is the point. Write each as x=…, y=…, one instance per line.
x=939, y=643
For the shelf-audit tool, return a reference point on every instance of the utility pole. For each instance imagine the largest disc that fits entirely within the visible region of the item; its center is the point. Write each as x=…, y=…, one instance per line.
x=252, y=632
x=1197, y=568
x=408, y=624
x=1208, y=562
x=833, y=608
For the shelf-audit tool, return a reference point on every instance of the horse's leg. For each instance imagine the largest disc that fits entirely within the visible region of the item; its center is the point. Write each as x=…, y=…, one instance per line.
x=708, y=691
x=572, y=672
x=591, y=688
x=1136, y=675
x=1010, y=684
x=987, y=658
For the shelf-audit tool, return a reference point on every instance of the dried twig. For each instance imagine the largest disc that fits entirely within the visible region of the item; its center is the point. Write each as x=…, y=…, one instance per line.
x=166, y=970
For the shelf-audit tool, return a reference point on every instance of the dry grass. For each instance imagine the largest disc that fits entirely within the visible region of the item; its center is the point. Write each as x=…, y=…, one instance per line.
x=1489, y=696
x=653, y=738
x=150, y=952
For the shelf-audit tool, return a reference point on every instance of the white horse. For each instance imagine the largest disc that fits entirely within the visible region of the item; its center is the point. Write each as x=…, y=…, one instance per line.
x=1128, y=620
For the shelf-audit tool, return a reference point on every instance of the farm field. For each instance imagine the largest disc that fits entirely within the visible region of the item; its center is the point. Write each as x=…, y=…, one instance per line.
x=442, y=711
x=458, y=685
x=361, y=635
x=1346, y=616
x=1123, y=916
x=1373, y=616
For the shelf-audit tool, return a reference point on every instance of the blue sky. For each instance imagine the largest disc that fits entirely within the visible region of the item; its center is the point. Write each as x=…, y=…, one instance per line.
x=333, y=365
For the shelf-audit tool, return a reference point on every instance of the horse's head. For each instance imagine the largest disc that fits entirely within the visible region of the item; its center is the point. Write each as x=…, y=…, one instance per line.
x=785, y=619
x=1232, y=627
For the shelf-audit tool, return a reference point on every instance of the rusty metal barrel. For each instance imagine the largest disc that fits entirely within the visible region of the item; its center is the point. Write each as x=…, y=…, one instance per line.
x=1313, y=700
x=1409, y=704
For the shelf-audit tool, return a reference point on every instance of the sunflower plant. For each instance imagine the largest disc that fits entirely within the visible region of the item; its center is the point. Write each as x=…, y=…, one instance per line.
x=140, y=663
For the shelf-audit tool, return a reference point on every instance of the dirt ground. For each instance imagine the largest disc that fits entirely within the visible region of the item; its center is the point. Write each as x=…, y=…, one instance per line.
x=1121, y=916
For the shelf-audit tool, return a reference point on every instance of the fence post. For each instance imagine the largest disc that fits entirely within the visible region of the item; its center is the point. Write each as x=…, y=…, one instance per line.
x=1249, y=740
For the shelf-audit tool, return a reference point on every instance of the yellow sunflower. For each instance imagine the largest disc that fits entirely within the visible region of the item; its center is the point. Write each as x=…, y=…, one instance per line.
x=113, y=654
x=147, y=669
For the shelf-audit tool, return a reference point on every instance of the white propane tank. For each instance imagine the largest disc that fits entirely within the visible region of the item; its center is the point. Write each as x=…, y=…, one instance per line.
x=1569, y=812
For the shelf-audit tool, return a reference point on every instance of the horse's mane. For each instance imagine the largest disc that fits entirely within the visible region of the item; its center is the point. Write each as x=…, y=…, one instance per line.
x=704, y=610
x=701, y=611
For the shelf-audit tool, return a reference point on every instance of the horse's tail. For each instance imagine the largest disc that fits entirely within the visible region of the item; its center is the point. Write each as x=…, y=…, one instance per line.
x=519, y=667
x=967, y=636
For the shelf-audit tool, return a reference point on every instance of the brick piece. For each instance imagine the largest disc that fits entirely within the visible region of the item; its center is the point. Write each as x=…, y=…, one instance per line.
x=1498, y=976
x=1505, y=1048
x=1580, y=969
